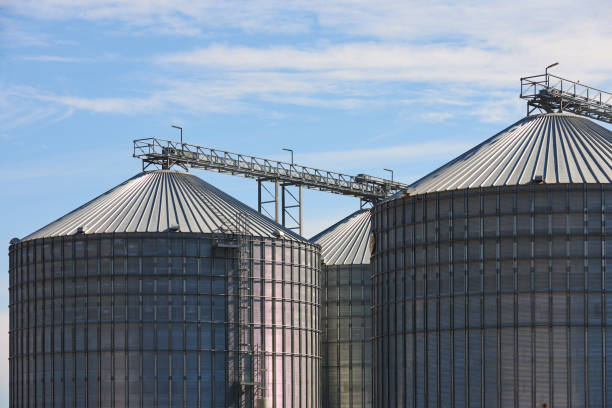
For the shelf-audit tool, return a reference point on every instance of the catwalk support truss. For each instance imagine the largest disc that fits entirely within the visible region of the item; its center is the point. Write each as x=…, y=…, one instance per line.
x=279, y=183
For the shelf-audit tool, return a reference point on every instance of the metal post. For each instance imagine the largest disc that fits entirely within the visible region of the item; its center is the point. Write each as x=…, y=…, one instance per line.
x=259, y=196
x=283, y=204
x=390, y=171
x=546, y=71
x=300, y=210
x=181, y=129
x=290, y=151
x=276, y=203
x=561, y=98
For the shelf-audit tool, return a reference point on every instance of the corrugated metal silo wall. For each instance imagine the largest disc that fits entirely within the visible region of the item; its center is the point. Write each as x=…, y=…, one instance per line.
x=494, y=297
x=347, y=331
x=146, y=320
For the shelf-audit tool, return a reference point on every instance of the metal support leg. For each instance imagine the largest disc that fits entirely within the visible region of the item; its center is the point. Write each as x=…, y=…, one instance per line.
x=266, y=191
x=300, y=210
x=276, y=218
x=259, y=196
x=292, y=208
x=283, y=189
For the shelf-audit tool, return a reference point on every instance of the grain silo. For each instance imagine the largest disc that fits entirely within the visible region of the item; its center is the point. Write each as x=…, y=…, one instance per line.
x=164, y=291
x=347, y=316
x=491, y=274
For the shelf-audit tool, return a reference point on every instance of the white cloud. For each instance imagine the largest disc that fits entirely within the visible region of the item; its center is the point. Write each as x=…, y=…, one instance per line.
x=498, y=107
x=436, y=116
x=415, y=40
x=377, y=62
x=65, y=59
x=454, y=53
x=350, y=159
x=354, y=62
x=105, y=105
x=180, y=17
x=481, y=21
x=18, y=107
x=49, y=58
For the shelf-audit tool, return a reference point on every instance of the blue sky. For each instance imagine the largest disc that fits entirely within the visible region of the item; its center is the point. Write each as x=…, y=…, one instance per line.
x=350, y=86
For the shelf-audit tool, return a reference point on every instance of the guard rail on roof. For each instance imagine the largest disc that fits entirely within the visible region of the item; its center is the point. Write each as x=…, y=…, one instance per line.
x=552, y=93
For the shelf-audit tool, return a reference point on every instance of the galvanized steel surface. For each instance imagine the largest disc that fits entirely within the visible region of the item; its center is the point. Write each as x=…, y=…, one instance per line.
x=346, y=242
x=550, y=148
x=494, y=297
x=131, y=311
x=159, y=201
x=347, y=331
x=149, y=319
x=347, y=315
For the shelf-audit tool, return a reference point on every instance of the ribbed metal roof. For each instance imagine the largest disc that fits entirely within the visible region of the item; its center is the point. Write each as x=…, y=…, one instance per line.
x=559, y=148
x=346, y=242
x=159, y=201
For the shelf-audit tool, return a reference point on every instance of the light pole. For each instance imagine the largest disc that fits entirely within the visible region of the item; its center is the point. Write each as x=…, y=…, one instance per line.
x=181, y=129
x=390, y=171
x=291, y=151
x=546, y=72
x=550, y=66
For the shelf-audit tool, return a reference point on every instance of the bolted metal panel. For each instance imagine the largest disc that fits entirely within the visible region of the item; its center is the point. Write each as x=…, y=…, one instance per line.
x=494, y=297
x=151, y=320
x=347, y=330
x=347, y=314
x=164, y=291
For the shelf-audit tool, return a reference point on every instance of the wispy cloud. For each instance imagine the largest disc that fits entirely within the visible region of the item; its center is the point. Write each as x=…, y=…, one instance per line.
x=468, y=21
x=352, y=159
x=49, y=58
x=386, y=62
x=69, y=59
x=356, y=62
x=105, y=105
x=242, y=92
x=19, y=107
x=12, y=35
x=498, y=107
x=421, y=54
x=436, y=116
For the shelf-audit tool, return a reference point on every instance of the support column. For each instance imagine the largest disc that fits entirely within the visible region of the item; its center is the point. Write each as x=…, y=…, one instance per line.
x=259, y=196
x=300, y=210
x=276, y=203
x=283, y=206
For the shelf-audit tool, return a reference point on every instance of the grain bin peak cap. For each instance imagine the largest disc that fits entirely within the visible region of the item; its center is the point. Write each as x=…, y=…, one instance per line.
x=347, y=242
x=163, y=201
x=551, y=148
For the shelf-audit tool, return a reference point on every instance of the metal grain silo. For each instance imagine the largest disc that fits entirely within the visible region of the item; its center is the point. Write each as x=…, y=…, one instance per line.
x=347, y=316
x=164, y=291
x=492, y=274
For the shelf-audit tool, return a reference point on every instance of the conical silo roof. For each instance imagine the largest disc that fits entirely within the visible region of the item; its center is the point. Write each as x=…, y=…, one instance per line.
x=161, y=201
x=347, y=242
x=549, y=148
